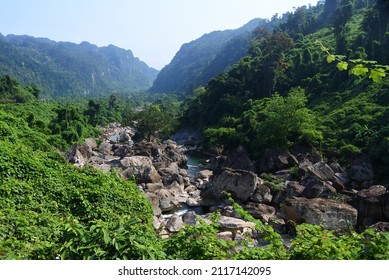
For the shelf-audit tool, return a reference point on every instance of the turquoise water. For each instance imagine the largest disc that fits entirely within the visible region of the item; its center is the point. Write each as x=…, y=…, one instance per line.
x=196, y=161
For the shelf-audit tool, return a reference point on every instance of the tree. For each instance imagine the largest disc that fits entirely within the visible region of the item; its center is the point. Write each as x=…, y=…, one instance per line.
x=93, y=112
x=149, y=121
x=281, y=122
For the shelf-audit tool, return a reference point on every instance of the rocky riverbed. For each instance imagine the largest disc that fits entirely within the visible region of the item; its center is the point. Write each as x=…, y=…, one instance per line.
x=282, y=189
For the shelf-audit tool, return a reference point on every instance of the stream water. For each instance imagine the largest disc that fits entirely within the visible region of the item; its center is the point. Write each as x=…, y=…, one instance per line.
x=196, y=161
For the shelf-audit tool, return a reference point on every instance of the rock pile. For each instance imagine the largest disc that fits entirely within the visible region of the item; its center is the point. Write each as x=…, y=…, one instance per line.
x=280, y=189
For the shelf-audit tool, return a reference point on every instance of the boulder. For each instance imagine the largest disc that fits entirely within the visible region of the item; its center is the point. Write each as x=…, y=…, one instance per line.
x=292, y=189
x=333, y=215
x=79, y=154
x=321, y=171
x=204, y=174
x=262, y=194
x=225, y=235
x=153, y=187
x=234, y=224
x=274, y=159
x=174, y=224
x=239, y=159
x=372, y=205
x=240, y=183
x=141, y=168
x=260, y=211
x=315, y=188
x=167, y=200
x=105, y=148
x=190, y=218
x=154, y=200
x=361, y=173
x=91, y=143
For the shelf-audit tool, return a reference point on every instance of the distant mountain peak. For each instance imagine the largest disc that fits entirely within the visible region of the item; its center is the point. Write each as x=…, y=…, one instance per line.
x=65, y=68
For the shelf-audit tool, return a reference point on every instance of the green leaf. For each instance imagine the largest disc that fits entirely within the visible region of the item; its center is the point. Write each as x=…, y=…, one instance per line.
x=331, y=58
x=377, y=74
x=342, y=66
x=359, y=70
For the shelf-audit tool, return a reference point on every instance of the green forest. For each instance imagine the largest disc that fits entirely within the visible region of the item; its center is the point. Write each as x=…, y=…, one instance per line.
x=318, y=79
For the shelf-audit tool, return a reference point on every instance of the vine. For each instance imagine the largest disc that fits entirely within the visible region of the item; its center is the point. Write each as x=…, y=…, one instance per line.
x=357, y=67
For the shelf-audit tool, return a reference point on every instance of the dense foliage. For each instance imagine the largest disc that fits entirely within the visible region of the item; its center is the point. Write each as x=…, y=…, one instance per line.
x=282, y=94
x=67, y=69
x=49, y=207
x=287, y=92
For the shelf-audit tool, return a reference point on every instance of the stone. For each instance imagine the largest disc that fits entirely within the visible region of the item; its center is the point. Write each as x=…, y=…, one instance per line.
x=105, y=168
x=204, y=174
x=292, y=189
x=262, y=194
x=166, y=200
x=225, y=235
x=190, y=218
x=240, y=183
x=274, y=160
x=333, y=215
x=239, y=159
x=193, y=202
x=260, y=211
x=91, y=143
x=361, y=172
x=321, y=171
x=105, y=149
x=153, y=187
x=372, y=205
x=79, y=154
x=230, y=223
x=154, y=200
x=315, y=188
x=174, y=224
x=141, y=168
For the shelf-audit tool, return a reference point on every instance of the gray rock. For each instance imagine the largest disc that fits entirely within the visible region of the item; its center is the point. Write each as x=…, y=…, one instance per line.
x=262, y=194
x=333, y=215
x=91, y=143
x=260, y=211
x=141, y=168
x=372, y=205
x=174, y=224
x=105, y=148
x=316, y=188
x=361, y=172
x=190, y=218
x=230, y=223
x=154, y=200
x=153, y=187
x=321, y=171
x=240, y=183
x=79, y=154
x=273, y=160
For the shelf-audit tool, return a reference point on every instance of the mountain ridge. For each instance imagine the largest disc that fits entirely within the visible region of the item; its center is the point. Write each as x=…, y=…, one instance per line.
x=202, y=59
x=87, y=68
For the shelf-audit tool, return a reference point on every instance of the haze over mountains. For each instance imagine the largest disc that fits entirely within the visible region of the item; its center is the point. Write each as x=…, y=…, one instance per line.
x=202, y=59
x=68, y=69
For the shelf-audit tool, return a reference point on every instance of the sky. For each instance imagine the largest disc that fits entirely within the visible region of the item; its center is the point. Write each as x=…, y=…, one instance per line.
x=154, y=30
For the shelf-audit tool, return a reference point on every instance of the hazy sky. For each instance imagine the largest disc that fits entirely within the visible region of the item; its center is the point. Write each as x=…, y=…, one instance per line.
x=153, y=29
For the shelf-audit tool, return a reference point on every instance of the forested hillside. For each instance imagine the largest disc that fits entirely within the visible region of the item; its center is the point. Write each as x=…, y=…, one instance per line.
x=67, y=69
x=286, y=93
x=297, y=129
x=204, y=58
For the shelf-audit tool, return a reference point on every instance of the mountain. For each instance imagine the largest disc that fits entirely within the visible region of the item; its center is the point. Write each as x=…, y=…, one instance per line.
x=202, y=59
x=319, y=79
x=68, y=69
